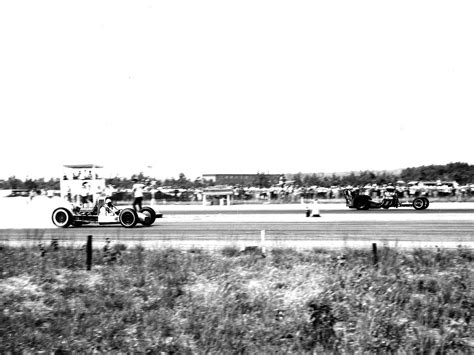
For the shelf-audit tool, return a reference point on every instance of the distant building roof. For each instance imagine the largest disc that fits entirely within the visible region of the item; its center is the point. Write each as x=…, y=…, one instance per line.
x=255, y=174
x=83, y=166
x=217, y=191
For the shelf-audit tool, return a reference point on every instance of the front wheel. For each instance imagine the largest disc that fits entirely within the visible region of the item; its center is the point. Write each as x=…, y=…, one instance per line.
x=128, y=218
x=426, y=201
x=62, y=217
x=150, y=216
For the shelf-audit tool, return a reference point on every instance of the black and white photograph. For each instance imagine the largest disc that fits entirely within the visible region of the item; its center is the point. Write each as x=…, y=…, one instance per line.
x=236, y=177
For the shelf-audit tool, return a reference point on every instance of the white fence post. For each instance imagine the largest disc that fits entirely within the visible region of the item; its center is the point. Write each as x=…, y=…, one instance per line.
x=262, y=240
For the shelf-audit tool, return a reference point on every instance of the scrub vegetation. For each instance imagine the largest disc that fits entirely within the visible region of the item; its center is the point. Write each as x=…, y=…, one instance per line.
x=226, y=301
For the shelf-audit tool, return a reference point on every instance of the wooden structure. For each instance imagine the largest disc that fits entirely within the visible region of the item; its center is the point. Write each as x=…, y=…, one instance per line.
x=224, y=194
x=82, y=176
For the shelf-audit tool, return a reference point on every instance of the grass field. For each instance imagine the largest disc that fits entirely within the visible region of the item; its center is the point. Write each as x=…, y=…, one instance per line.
x=195, y=301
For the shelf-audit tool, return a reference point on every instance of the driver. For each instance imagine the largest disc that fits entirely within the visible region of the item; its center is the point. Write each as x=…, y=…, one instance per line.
x=389, y=191
x=108, y=209
x=390, y=194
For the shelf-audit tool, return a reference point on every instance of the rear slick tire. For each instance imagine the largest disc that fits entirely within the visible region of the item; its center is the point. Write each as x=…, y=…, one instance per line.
x=419, y=203
x=62, y=217
x=386, y=204
x=362, y=203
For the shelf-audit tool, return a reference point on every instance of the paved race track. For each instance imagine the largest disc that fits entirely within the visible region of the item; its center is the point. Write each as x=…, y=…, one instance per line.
x=335, y=228
x=438, y=210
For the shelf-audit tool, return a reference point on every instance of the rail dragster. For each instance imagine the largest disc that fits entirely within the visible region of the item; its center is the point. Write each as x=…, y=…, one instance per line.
x=102, y=213
x=356, y=199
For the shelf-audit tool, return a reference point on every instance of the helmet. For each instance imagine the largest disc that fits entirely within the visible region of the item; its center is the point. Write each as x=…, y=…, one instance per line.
x=108, y=201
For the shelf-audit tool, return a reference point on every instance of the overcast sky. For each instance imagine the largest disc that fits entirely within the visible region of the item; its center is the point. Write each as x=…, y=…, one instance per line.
x=234, y=86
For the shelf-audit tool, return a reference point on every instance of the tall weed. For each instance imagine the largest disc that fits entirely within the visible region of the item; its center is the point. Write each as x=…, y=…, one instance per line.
x=196, y=301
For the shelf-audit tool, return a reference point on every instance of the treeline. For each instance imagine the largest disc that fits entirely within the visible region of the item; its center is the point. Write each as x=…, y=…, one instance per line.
x=118, y=182
x=182, y=182
x=462, y=173
x=360, y=178
x=29, y=184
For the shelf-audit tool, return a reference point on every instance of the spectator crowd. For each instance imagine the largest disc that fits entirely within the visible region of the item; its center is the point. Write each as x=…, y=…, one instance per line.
x=292, y=193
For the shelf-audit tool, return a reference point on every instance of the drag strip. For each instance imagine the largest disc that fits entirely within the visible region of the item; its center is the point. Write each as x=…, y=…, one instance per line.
x=293, y=211
x=215, y=234
x=442, y=225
